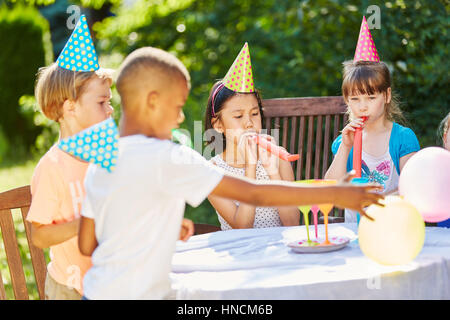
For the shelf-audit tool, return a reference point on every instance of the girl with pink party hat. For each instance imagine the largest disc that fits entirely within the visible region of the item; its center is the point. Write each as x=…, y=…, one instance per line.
x=386, y=145
x=234, y=112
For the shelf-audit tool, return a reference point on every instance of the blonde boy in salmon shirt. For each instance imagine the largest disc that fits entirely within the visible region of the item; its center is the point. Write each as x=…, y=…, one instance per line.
x=75, y=92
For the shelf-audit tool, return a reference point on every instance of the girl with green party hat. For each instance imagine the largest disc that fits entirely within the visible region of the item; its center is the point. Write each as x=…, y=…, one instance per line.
x=234, y=113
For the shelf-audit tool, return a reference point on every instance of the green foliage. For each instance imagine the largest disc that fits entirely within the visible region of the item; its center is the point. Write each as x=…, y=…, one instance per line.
x=4, y=145
x=28, y=2
x=25, y=46
x=297, y=48
x=49, y=129
x=57, y=15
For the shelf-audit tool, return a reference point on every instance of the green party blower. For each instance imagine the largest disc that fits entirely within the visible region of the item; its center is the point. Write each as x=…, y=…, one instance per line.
x=180, y=137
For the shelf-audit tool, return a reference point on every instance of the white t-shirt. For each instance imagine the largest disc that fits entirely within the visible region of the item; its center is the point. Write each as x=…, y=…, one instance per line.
x=138, y=211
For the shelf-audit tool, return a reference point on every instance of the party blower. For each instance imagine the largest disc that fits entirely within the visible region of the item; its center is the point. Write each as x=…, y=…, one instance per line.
x=357, y=150
x=274, y=149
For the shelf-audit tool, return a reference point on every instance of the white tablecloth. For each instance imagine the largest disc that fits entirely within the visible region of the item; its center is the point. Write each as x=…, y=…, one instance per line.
x=257, y=264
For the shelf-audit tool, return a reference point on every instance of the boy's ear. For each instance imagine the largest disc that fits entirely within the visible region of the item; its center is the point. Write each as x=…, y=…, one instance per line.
x=68, y=107
x=152, y=99
x=217, y=124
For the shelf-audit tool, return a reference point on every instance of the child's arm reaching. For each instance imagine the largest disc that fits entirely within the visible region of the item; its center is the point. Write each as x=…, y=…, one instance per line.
x=87, y=242
x=284, y=193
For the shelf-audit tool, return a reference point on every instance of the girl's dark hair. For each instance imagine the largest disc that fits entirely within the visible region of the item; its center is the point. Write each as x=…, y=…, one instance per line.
x=222, y=96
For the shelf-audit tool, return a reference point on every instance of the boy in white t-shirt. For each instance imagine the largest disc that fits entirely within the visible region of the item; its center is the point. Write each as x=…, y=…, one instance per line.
x=131, y=217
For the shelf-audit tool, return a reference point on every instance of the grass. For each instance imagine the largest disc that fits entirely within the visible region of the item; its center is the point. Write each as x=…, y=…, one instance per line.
x=13, y=176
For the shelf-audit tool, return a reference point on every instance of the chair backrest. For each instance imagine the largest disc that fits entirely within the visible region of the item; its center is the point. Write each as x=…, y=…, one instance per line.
x=19, y=198
x=201, y=228
x=306, y=126
x=321, y=118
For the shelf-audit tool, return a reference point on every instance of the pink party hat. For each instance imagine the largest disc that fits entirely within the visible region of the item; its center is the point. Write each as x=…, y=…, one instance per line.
x=365, y=49
x=240, y=78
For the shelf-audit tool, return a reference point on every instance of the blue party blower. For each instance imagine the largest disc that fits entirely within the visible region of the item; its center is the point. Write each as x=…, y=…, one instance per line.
x=359, y=181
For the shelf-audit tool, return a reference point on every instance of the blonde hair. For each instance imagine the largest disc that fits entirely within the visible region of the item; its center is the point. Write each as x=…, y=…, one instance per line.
x=369, y=77
x=54, y=85
x=154, y=62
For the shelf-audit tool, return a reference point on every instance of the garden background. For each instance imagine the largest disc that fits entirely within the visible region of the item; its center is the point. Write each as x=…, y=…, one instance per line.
x=297, y=49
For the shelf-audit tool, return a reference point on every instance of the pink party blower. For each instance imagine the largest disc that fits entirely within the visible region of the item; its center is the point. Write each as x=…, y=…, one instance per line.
x=315, y=211
x=276, y=150
x=357, y=150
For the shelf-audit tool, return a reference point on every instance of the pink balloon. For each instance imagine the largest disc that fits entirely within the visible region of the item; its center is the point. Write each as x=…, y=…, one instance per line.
x=425, y=183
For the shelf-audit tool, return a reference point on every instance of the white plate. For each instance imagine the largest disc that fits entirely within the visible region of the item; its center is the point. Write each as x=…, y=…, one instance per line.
x=337, y=243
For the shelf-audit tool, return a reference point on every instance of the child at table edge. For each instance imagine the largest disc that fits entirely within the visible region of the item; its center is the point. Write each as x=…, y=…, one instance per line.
x=131, y=217
x=75, y=100
x=386, y=145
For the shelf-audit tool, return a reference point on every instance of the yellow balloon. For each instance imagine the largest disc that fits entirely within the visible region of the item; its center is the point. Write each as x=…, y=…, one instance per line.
x=396, y=236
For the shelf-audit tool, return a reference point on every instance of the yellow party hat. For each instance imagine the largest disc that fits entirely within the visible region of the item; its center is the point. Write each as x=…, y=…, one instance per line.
x=239, y=77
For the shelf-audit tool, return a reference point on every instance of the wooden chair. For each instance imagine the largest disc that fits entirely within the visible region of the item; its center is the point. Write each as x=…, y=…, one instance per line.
x=201, y=228
x=307, y=126
x=19, y=198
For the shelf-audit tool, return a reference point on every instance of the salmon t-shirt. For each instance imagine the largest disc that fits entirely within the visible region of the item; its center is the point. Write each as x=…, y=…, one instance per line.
x=57, y=190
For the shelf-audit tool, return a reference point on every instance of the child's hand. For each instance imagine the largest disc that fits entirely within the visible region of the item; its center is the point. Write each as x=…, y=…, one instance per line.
x=248, y=148
x=187, y=229
x=270, y=161
x=348, y=133
x=357, y=197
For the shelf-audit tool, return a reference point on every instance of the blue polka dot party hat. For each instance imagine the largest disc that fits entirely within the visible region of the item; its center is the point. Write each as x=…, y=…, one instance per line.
x=97, y=144
x=79, y=52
